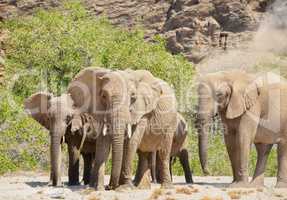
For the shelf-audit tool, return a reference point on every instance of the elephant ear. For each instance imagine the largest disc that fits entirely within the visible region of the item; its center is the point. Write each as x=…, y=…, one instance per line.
x=37, y=107
x=244, y=95
x=147, y=97
x=85, y=89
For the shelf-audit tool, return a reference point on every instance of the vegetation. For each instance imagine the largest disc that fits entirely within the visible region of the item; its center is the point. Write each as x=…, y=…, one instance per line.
x=45, y=50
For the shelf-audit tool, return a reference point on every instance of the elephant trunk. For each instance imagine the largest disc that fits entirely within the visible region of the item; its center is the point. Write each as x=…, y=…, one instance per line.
x=203, y=147
x=56, y=159
x=118, y=126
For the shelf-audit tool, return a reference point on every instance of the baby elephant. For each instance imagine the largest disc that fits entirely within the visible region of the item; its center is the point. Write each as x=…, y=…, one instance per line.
x=81, y=139
x=179, y=149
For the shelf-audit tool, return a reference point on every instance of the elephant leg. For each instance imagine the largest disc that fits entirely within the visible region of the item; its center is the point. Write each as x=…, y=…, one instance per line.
x=164, y=158
x=143, y=166
x=282, y=163
x=50, y=183
x=88, y=159
x=73, y=171
x=244, y=138
x=139, y=165
x=152, y=163
x=131, y=150
x=183, y=157
x=101, y=156
x=263, y=151
x=170, y=167
x=158, y=168
x=230, y=142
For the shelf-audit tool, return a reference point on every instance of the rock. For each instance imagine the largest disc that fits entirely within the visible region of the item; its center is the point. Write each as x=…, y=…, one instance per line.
x=145, y=182
x=191, y=27
x=10, y=8
x=150, y=13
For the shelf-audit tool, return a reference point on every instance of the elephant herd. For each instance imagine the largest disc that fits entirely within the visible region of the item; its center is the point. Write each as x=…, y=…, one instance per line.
x=127, y=112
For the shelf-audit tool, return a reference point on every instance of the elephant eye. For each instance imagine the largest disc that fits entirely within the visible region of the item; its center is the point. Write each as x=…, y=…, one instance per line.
x=219, y=96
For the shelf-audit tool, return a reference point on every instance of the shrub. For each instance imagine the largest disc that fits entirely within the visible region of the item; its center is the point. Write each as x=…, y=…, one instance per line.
x=45, y=50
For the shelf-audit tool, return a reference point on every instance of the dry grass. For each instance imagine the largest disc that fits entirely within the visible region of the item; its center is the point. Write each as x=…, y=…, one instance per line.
x=168, y=193
x=156, y=194
x=211, y=198
x=87, y=191
x=93, y=196
x=279, y=195
x=184, y=190
x=170, y=198
x=234, y=194
x=259, y=190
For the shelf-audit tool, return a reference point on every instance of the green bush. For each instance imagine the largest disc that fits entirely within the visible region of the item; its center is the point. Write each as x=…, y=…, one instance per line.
x=45, y=50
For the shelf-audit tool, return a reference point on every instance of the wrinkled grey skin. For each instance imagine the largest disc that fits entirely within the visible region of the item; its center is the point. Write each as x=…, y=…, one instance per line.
x=55, y=113
x=113, y=94
x=153, y=115
x=253, y=110
x=58, y=115
x=179, y=150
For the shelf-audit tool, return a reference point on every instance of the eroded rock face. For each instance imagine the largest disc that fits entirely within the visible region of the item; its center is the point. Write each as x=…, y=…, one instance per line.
x=194, y=27
x=150, y=13
x=9, y=8
x=191, y=27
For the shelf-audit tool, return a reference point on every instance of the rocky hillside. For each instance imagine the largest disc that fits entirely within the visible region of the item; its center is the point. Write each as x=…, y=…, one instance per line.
x=195, y=28
x=191, y=27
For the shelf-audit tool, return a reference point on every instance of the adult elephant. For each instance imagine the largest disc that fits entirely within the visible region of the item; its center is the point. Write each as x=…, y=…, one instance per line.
x=179, y=149
x=119, y=93
x=56, y=113
x=154, y=121
x=253, y=110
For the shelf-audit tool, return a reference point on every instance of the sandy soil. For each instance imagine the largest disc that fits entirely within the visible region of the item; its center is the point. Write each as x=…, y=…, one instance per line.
x=32, y=186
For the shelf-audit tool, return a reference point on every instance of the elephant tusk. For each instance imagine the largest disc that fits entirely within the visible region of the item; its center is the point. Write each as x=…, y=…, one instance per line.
x=129, y=130
x=83, y=138
x=105, y=130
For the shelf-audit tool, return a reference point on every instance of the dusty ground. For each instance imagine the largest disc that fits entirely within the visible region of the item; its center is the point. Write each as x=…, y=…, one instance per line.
x=32, y=186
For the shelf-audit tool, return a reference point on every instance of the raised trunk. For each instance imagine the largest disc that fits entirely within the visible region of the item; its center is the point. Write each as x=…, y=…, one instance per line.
x=203, y=147
x=118, y=133
x=56, y=159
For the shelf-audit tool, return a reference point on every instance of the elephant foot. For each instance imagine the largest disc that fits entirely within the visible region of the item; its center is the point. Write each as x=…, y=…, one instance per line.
x=50, y=184
x=85, y=181
x=281, y=184
x=108, y=187
x=257, y=184
x=125, y=187
x=206, y=172
x=189, y=181
x=167, y=186
x=73, y=183
x=239, y=184
x=99, y=188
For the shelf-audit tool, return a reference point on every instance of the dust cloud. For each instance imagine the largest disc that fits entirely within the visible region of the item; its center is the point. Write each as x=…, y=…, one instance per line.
x=266, y=51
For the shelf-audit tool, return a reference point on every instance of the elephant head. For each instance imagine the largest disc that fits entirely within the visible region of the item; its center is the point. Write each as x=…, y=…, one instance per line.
x=229, y=94
x=55, y=114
